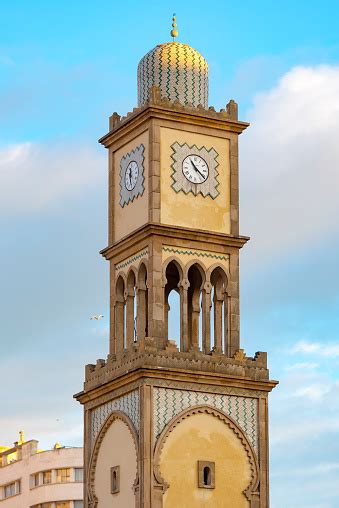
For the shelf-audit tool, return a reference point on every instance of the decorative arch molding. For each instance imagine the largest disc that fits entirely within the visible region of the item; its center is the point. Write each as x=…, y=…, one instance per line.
x=251, y=492
x=224, y=272
x=121, y=275
x=179, y=265
x=200, y=266
x=132, y=270
x=116, y=415
x=143, y=261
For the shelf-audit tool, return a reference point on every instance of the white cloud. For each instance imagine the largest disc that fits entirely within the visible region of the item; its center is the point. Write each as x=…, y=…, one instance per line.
x=325, y=350
x=302, y=366
x=36, y=177
x=314, y=391
x=303, y=430
x=312, y=470
x=290, y=161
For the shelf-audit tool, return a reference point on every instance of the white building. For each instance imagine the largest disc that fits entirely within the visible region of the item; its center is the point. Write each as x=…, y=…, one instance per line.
x=33, y=478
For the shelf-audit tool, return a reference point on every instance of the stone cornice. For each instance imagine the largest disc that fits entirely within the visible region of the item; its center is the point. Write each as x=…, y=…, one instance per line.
x=141, y=235
x=172, y=375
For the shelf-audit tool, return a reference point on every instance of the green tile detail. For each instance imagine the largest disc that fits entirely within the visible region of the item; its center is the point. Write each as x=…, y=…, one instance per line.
x=197, y=254
x=168, y=402
x=129, y=261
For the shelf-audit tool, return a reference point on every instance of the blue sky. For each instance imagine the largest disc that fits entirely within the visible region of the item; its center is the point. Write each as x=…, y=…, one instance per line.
x=64, y=68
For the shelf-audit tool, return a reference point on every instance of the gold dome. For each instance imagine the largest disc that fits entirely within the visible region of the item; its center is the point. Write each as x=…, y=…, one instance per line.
x=180, y=72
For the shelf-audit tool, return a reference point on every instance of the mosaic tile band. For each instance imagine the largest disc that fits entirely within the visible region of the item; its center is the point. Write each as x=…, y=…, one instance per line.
x=128, y=404
x=139, y=255
x=167, y=403
x=197, y=253
x=178, y=70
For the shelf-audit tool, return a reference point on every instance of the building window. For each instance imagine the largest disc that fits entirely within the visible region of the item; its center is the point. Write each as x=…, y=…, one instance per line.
x=78, y=504
x=78, y=474
x=11, y=489
x=63, y=475
x=46, y=477
x=36, y=480
x=206, y=474
x=115, y=479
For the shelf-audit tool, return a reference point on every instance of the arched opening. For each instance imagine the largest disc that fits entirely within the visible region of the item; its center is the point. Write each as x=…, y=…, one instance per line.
x=194, y=305
x=219, y=332
x=130, y=309
x=172, y=311
x=119, y=315
x=142, y=304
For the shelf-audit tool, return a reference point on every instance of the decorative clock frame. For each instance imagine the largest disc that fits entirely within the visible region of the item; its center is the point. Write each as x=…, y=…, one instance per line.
x=180, y=183
x=136, y=155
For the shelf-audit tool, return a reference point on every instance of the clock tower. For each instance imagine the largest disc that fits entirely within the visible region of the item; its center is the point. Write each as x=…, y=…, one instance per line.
x=175, y=421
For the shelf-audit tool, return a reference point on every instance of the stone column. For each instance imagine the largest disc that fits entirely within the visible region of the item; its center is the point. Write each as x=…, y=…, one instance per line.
x=141, y=311
x=227, y=302
x=156, y=294
x=195, y=309
x=183, y=289
x=218, y=301
x=206, y=318
x=129, y=317
x=167, y=308
x=234, y=332
x=119, y=324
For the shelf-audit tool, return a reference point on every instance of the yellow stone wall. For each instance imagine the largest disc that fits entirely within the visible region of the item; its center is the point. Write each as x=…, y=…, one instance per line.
x=135, y=213
x=187, y=210
x=117, y=449
x=204, y=437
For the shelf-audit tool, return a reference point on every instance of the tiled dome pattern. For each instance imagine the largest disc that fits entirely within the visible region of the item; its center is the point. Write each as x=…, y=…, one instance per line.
x=178, y=70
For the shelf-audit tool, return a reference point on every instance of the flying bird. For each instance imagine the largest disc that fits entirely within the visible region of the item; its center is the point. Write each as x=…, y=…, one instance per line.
x=96, y=317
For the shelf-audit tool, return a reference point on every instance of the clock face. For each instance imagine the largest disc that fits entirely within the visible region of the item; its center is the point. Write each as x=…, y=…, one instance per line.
x=131, y=175
x=195, y=169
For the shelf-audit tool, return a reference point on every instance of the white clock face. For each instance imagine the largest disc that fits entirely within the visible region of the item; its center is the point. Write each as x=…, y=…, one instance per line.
x=131, y=175
x=195, y=169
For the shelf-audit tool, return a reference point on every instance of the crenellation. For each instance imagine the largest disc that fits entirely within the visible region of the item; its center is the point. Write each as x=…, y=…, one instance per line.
x=156, y=100
x=146, y=354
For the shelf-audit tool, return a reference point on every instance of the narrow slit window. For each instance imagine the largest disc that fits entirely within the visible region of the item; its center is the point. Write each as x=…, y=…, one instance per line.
x=206, y=474
x=115, y=479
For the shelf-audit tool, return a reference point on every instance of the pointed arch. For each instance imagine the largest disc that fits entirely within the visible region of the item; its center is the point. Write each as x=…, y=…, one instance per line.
x=196, y=277
x=119, y=308
x=90, y=483
x=220, y=302
x=130, y=306
x=251, y=492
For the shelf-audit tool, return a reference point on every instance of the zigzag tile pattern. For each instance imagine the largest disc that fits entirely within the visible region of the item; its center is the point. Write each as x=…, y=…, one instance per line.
x=167, y=403
x=128, y=404
x=180, y=71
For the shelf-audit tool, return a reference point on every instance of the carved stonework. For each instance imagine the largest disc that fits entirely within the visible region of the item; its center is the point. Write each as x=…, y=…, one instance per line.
x=167, y=403
x=127, y=404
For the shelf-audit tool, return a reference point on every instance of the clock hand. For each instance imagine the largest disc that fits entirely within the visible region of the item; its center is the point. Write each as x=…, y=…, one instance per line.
x=197, y=170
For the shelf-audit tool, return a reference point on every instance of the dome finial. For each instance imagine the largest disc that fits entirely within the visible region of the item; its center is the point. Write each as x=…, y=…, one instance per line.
x=174, y=32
